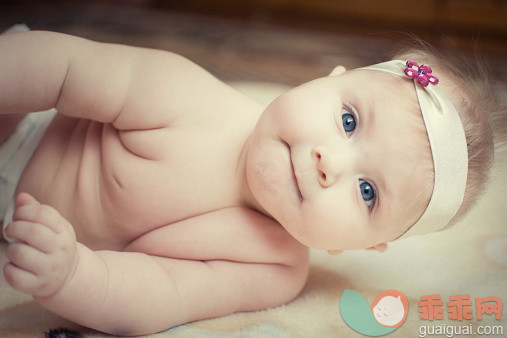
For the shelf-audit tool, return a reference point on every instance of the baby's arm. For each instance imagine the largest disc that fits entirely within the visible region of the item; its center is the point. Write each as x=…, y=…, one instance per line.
x=131, y=87
x=129, y=293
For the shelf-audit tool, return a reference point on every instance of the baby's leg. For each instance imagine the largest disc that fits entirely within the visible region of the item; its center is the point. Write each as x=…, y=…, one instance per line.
x=20, y=141
x=8, y=123
x=3, y=262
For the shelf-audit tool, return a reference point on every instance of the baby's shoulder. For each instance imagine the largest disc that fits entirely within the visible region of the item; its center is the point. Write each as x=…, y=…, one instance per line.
x=234, y=234
x=166, y=88
x=250, y=262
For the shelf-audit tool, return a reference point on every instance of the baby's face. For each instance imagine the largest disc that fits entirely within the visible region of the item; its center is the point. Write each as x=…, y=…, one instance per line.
x=337, y=161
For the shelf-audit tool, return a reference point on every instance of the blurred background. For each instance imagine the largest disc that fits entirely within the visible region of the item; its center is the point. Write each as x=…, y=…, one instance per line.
x=283, y=41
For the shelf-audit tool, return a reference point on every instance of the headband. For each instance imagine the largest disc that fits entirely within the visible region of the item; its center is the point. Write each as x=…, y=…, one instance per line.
x=447, y=142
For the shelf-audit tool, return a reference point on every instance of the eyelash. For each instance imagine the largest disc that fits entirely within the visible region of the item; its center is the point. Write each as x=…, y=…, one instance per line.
x=370, y=204
x=350, y=109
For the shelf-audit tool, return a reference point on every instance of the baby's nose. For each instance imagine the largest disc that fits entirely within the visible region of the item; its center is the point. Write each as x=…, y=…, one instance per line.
x=330, y=164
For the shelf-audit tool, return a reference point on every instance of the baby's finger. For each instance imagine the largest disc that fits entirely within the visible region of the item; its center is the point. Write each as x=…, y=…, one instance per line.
x=24, y=199
x=33, y=234
x=39, y=213
x=20, y=279
x=26, y=257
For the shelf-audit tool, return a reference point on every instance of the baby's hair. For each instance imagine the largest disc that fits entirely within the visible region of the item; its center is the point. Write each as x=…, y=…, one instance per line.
x=467, y=83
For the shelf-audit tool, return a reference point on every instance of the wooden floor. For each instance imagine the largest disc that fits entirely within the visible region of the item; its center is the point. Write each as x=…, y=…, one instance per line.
x=230, y=49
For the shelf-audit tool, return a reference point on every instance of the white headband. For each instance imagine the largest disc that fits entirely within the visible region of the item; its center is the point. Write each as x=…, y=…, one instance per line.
x=447, y=142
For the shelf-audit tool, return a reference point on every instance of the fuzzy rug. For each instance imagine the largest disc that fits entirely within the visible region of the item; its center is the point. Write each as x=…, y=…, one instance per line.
x=470, y=259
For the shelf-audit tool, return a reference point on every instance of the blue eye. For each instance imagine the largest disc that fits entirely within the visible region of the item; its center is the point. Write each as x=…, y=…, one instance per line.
x=367, y=192
x=349, y=119
x=349, y=122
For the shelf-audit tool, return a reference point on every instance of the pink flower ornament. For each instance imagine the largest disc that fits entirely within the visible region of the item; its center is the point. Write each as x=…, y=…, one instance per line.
x=422, y=74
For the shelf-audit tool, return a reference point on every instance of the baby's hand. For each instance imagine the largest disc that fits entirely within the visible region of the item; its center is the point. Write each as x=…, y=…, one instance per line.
x=43, y=257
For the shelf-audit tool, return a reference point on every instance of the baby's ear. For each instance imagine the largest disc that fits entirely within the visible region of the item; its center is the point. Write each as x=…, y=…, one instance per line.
x=379, y=247
x=338, y=70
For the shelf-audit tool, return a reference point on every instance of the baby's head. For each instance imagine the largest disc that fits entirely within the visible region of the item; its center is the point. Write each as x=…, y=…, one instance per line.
x=345, y=162
x=468, y=88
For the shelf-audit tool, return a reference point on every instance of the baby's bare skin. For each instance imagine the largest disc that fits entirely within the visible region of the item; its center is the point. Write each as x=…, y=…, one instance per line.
x=152, y=199
x=145, y=161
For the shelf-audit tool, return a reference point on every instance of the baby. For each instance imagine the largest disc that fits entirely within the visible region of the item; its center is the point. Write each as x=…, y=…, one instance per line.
x=158, y=195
